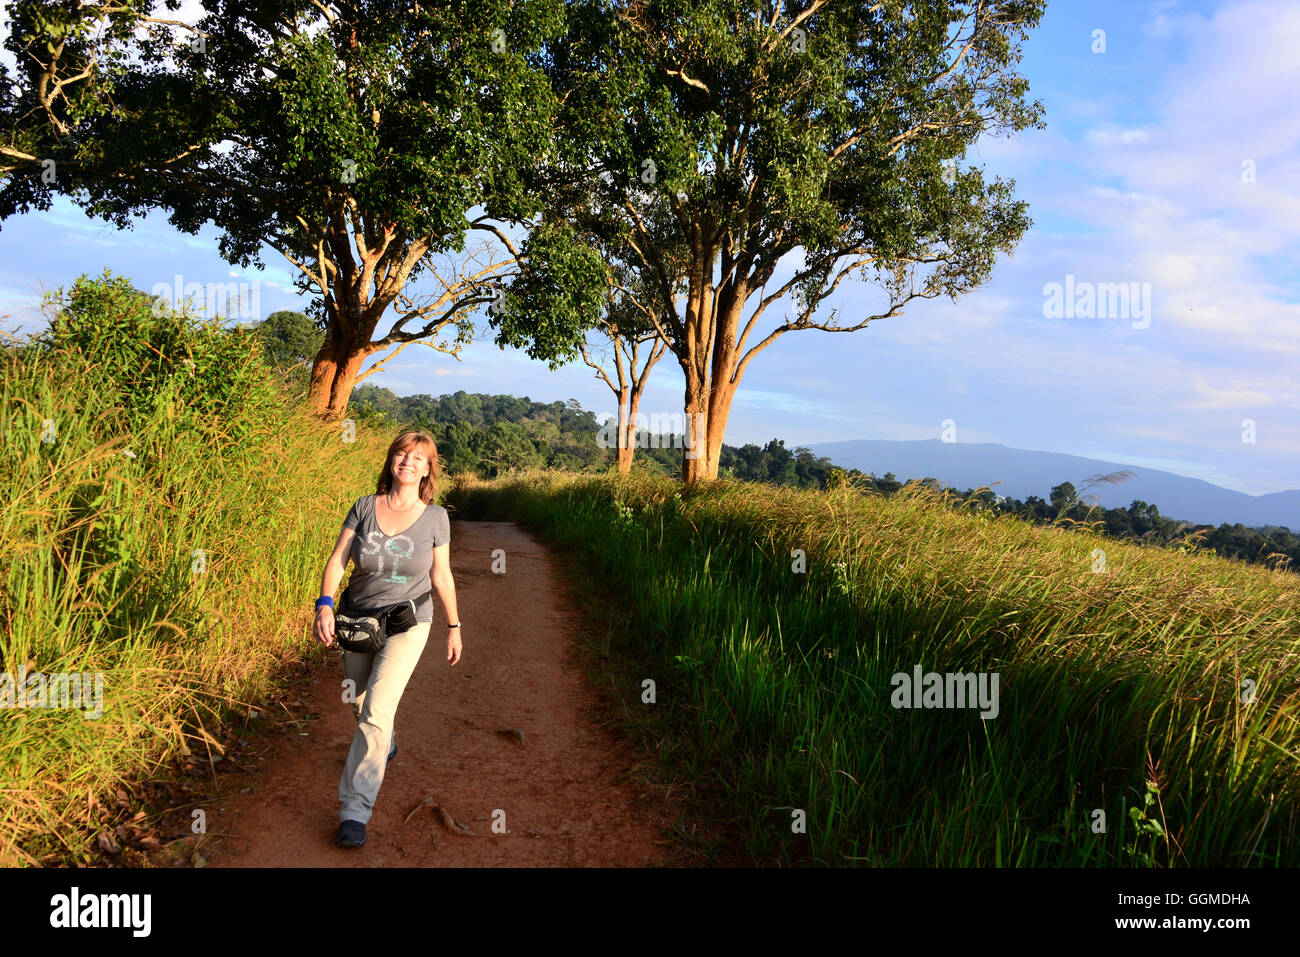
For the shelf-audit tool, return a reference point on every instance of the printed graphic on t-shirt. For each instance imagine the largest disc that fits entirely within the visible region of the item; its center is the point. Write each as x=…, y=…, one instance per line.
x=398, y=547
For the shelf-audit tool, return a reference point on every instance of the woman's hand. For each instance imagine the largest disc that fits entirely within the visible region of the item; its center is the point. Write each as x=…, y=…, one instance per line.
x=324, y=627
x=453, y=646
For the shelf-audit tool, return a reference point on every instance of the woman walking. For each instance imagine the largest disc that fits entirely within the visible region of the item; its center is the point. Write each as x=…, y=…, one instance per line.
x=398, y=540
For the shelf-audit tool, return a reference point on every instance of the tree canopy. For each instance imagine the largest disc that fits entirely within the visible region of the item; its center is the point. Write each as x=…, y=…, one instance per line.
x=355, y=138
x=722, y=141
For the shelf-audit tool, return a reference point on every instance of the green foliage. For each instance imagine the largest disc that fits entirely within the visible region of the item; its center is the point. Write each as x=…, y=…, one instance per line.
x=487, y=434
x=65, y=43
x=1142, y=522
x=1145, y=826
x=290, y=337
x=841, y=578
x=774, y=687
x=387, y=127
x=557, y=296
x=373, y=418
x=457, y=119
x=1063, y=497
x=457, y=448
x=775, y=464
x=665, y=168
x=161, y=517
x=506, y=447
x=148, y=366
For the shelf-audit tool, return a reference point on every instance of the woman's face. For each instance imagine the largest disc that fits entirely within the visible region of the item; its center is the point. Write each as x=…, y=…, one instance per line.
x=410, y=465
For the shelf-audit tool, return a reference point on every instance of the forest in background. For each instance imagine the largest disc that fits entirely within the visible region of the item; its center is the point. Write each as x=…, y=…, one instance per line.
x=490, y=435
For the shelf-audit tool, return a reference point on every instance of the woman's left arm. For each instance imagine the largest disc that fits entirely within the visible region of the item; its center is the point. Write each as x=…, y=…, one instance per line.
x=445, y=586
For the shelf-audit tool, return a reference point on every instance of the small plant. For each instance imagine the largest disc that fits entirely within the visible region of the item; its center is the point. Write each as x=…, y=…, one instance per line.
x=687, y=663
x=1145, y=826
x=842, y=578
x=624, y=517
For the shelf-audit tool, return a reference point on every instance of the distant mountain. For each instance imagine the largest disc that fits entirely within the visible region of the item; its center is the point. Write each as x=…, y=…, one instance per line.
x=1023, y=473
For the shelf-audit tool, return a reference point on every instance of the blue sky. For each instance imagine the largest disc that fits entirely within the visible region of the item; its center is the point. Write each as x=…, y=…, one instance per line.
x=1138, y=178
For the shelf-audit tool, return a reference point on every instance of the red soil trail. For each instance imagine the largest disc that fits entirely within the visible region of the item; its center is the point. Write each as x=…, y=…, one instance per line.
x=566, y=791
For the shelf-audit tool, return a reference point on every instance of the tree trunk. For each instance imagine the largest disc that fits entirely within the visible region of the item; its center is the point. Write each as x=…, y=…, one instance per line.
x=353, y=305
x=322, y=375
x=631, y=400
x=629, y=392
x=333, y=374
x=695, y=462
x=706, y=423
x=710, y=386
x=626, y=421
x=341, y=390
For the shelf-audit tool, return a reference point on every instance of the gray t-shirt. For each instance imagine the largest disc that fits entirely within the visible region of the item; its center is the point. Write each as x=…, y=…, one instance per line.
x=394, y=568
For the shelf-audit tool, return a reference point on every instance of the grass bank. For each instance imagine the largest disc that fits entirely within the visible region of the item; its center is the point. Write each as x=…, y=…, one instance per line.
x=165, y=513
x=1147, y=700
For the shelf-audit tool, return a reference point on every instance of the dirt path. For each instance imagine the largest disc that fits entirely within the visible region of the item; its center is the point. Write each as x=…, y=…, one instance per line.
x=565, y=791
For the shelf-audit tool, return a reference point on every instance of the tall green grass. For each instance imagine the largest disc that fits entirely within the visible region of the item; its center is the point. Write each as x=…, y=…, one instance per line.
x=165, y=513
x=1161, y=691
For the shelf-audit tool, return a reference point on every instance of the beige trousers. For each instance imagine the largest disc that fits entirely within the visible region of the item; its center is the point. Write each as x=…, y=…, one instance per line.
x=379, y=680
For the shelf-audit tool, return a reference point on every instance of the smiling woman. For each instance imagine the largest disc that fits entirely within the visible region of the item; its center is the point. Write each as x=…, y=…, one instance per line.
x=399, y=542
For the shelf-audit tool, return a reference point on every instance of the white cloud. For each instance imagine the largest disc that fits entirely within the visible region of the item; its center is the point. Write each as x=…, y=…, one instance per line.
x=1215, y=398
x=1109, y=138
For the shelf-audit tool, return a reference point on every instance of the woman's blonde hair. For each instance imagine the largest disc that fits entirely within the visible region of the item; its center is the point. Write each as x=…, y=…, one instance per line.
x=408, y=438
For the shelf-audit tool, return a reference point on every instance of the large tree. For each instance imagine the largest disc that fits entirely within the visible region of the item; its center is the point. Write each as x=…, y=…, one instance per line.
x=724, y=139
x=355, y=138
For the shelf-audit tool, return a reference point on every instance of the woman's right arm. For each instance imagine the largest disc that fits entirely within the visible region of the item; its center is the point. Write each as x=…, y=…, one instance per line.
x=329, y=583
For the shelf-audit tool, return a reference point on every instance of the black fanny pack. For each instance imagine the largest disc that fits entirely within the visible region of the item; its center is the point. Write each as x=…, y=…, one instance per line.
x=366, y=630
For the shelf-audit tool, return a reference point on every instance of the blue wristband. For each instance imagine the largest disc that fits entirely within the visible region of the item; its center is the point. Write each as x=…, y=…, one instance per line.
x=325, y=600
